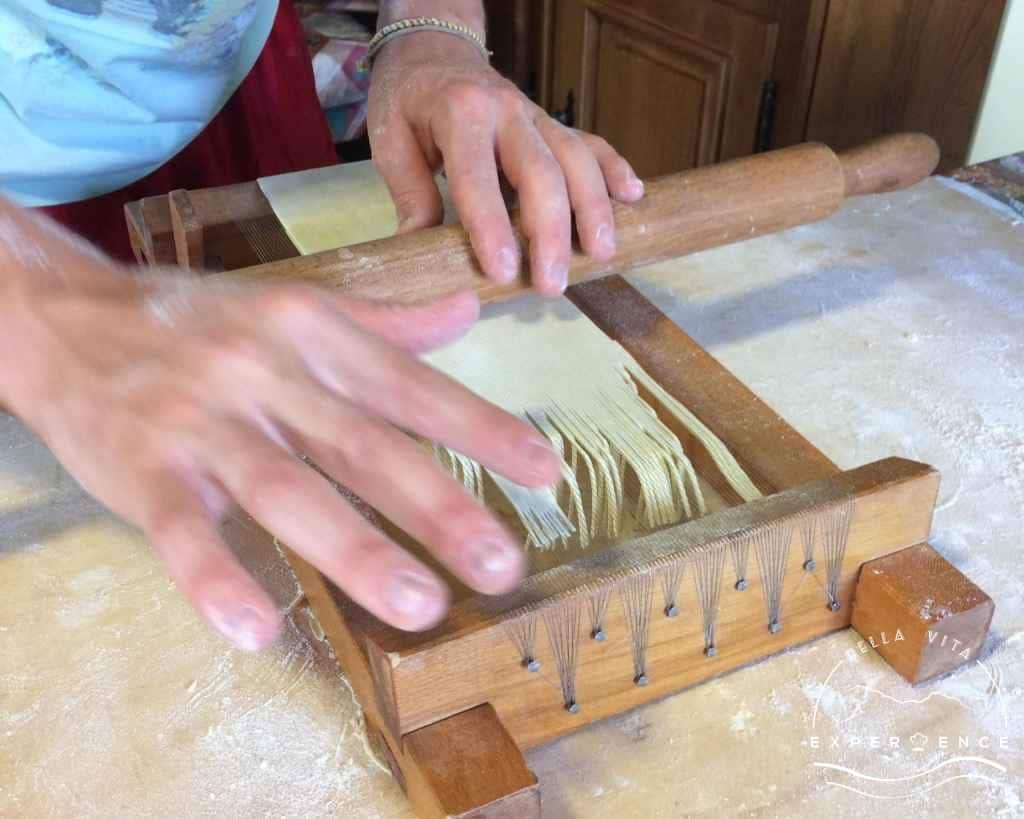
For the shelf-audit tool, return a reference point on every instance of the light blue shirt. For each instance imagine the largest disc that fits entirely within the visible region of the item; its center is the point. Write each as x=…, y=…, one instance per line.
x=95, y=94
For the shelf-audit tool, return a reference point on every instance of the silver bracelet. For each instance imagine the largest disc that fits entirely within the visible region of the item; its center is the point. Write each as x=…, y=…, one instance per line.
x=412, y=25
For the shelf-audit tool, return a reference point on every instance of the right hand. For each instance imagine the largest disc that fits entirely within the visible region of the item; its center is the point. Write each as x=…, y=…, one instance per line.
x=168, y=399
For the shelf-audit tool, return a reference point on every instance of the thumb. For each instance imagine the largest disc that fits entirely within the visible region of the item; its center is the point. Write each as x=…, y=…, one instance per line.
x=400, y=161
x=418, y=328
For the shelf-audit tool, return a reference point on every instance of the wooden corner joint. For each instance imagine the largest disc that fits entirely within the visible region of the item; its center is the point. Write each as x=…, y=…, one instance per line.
x=921, y=613
x=466, y=766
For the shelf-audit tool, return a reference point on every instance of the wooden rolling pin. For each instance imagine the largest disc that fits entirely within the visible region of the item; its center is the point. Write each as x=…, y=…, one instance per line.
x=681, y=213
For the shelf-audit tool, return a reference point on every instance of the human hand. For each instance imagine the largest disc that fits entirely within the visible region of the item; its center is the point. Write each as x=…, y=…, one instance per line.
x=168, y=399
x=435, y=101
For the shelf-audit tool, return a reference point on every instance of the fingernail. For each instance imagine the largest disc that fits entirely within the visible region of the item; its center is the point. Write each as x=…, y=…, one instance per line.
x=405, y=221
x=556, y=274
x=635, y=186
x=493, y=558
x=243, y=625
x=508, y=264
x=604, y=238
x=415, y=598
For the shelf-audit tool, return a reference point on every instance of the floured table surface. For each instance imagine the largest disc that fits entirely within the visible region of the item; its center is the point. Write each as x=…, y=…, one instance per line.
x=895, y=328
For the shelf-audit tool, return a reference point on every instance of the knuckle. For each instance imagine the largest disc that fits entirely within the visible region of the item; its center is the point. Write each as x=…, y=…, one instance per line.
x=545, y=170
x=267, y=486
x=167, y=527
x=179, y=410
x=468, y=98
x=510, y=98
x=408, y=201
x=566, y=138
x=231, y=353
x=552, y=210
x=387, y=161
x=594, y=202
x=599, y=144
x=292, y=305
x=363, y=445
x=486, y=223
x=418, y=408
x=453, y=522
x=357, y=556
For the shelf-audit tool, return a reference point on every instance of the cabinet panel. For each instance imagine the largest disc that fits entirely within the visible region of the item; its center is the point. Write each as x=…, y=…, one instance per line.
x=678, y=93
x=672, y=85
x=901, y=65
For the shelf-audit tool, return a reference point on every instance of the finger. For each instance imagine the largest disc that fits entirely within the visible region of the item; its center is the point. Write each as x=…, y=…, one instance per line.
x=388, y=382
x=622, y=181
x=588, y=191
x=304, y=511
x=417, y=328
x=400, y=161
x=544, y=202
x=400, y=479
x=473, y=181
x=184, y=536
x=413, y=396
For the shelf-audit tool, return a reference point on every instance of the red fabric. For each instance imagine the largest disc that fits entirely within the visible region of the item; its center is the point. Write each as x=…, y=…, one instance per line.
x=273, y=124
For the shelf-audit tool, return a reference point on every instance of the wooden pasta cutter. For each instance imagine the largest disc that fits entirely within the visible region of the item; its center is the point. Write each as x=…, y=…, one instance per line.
x=452, y=710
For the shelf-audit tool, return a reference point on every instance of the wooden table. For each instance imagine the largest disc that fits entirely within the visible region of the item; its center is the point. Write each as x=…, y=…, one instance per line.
x=115, y=699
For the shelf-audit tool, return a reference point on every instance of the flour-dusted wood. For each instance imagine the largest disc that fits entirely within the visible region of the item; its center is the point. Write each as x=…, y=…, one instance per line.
x=680, y=214
x=774, y=454
x=472, y=658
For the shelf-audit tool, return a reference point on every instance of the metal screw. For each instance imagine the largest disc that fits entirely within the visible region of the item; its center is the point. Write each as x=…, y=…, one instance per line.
x=775, y=627
x=641, y=679
x=672, y=611
x=572, y=707
x=598, y=634
x=532, y=664
x=741, y=584
x=810, y=565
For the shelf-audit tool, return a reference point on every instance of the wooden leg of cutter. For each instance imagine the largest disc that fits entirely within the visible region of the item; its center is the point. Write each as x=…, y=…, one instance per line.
x=150, y=231
x=920, y=612
x=465, y=766
x=188, y=231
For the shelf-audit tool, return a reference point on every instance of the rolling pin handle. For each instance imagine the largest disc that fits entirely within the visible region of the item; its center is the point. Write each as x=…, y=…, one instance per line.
x=889, y=163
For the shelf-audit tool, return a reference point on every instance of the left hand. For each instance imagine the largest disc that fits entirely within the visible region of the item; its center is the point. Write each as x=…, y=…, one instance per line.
x=435, y=101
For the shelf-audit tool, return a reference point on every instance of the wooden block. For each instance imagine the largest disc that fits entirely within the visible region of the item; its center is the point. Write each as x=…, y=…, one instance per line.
x=466, y=766
x=470, y=765
x=920, y=613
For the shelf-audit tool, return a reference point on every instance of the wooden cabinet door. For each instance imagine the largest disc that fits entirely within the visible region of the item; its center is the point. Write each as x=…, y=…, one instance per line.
x=670, y=84
x=904, y=65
